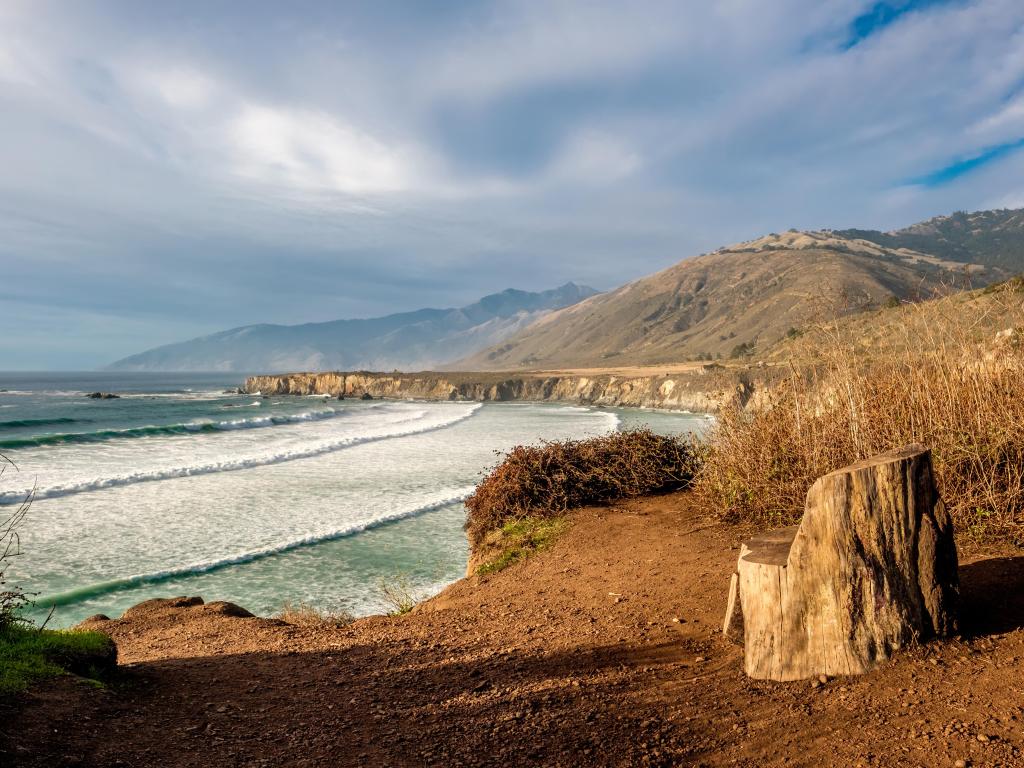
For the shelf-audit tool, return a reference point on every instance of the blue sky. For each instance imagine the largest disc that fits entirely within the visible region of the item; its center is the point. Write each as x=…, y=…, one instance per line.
x=173, y=169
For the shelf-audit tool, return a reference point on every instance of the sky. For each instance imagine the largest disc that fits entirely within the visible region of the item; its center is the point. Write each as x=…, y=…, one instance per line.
x=169, y=170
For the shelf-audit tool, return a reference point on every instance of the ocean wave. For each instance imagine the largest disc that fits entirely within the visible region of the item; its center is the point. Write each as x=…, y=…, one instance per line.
x=164, y=430
x=613, y=418
x=19, y=423
x=185, y=395
x=16, y=497
x=117, y=585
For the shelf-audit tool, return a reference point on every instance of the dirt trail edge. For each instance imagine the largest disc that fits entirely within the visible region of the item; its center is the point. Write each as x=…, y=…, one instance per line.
x=604, y=650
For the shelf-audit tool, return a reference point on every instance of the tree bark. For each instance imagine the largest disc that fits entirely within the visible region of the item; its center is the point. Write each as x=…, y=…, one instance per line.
x=871, y=568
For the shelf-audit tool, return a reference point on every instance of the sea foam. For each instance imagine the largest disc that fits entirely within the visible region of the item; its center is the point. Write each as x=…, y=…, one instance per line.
x=99, y=484
x=435, y=502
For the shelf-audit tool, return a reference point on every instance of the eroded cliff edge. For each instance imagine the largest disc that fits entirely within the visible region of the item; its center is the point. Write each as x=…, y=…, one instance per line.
x=704, y=388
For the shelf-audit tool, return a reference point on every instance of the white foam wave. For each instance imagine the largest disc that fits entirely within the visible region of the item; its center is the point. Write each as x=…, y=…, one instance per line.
x=266, y=421
x=433, y=502
x=614, y=422
x=14, y=497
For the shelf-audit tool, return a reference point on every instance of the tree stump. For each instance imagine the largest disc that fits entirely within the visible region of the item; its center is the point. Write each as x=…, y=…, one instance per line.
x=872, y=567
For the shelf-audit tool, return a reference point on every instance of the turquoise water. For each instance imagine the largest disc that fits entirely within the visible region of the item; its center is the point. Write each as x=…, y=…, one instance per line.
x=180, y=488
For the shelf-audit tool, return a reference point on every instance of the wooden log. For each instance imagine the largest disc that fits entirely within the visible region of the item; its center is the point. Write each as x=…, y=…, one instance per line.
x=871, y=568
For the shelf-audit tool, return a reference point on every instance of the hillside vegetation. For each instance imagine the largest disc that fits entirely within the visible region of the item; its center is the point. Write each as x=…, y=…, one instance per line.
x=948, y=373
x=990, y=238
x=732, y=303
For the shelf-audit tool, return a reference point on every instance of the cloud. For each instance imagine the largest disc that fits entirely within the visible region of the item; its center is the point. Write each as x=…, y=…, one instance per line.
x=165, y=162
x=311, y=150
x=180, y=87
x=591, y=157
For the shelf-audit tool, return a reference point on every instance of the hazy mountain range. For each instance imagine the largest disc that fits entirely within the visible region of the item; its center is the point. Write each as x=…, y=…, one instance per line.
x=408, y=340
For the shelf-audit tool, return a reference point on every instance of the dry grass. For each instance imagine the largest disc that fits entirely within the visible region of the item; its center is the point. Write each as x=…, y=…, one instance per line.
x=305, y=615
x=546, y=480
x=397, y=592
x=951, y=376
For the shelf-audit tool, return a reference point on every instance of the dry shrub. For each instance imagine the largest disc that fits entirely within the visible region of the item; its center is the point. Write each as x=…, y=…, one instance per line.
x=305, y=615
x=548, y=479
x=952, y=377
x=397, y=592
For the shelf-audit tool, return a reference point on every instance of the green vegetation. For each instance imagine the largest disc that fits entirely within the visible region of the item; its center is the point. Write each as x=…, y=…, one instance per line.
x=28, y=654
x=517, y=540
x=992, y=238
x=397, y=592
x=546, y=480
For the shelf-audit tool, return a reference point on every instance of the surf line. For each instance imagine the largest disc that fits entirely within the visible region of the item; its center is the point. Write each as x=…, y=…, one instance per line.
x=16, y=497
x=144, y=579
x=166, y=430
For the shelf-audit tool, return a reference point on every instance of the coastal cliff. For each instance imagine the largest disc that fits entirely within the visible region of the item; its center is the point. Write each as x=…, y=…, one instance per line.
x=704, y=388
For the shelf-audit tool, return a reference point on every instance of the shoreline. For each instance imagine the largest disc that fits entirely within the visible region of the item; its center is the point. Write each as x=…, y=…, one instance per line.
x=700, y=389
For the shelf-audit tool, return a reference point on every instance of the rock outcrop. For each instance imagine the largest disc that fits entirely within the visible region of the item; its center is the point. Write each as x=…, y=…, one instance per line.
x=704, y=389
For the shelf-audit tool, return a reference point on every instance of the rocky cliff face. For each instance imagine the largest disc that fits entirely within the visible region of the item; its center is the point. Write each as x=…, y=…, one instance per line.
x=703, y=390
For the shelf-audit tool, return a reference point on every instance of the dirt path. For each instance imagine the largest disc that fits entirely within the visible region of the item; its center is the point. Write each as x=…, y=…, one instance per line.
x=572, y=658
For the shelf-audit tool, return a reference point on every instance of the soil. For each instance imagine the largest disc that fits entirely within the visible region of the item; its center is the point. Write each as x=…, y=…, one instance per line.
x=605, y=649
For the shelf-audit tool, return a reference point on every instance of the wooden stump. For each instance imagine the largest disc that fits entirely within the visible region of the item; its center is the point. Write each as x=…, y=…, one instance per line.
x=871, y=568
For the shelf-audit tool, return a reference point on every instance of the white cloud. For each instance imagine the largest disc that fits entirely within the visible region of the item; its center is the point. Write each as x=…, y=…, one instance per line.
x=521, y=44
x=315, y=151
x=479, y=146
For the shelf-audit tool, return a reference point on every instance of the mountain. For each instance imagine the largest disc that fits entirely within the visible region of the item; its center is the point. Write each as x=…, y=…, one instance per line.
x=409, y=340
x=990, y=238
x=742, y=298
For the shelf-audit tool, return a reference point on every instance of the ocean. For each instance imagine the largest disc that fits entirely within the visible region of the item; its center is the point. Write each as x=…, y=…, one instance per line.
x=180, y=486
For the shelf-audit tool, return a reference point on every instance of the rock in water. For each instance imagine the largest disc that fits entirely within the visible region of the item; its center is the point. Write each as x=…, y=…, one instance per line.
x=871, y=568
x=103, y=396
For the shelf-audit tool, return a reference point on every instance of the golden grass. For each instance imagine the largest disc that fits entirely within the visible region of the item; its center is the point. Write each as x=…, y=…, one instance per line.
x=949, y=373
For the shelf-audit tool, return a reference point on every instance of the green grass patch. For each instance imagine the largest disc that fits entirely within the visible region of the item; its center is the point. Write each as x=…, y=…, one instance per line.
x=28, y=655
x=518, y=539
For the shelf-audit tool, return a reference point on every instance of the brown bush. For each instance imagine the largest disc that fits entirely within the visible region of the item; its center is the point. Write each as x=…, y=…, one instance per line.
x=950, y=377
x=546, y=480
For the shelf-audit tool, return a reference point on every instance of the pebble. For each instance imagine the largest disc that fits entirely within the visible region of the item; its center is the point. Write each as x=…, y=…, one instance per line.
x=960, y=764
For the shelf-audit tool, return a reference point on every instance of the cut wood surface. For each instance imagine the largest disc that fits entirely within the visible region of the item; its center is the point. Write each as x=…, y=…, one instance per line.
x=871, y=568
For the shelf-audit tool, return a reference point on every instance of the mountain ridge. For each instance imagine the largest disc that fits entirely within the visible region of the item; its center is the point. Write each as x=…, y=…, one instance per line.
x=420, y=338
x=745, y=297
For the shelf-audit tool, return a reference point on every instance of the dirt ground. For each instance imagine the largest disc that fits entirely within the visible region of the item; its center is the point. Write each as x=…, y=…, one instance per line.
x=604, y=650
